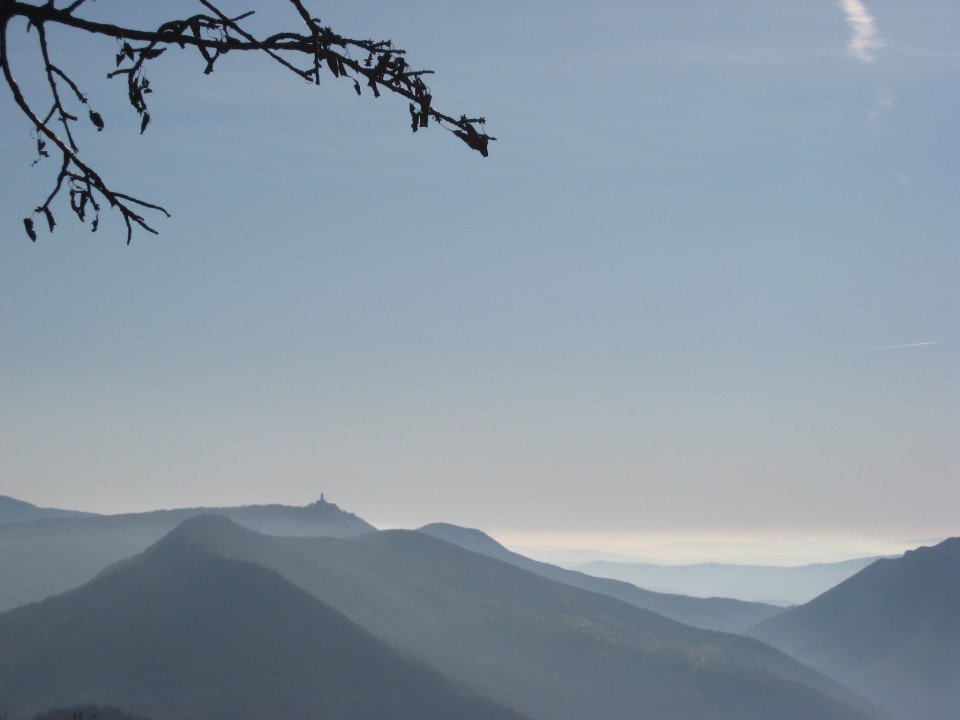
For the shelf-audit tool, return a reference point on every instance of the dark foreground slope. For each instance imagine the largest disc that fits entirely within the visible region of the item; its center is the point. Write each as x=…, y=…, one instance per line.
x=892, y=632
x=182, y=634
x=549, y=650
x=723, y=614
x=87, y=712
x=45, y=557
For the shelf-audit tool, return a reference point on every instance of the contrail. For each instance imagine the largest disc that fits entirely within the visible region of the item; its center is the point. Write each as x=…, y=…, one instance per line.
x=892, y=347
x=865, y=37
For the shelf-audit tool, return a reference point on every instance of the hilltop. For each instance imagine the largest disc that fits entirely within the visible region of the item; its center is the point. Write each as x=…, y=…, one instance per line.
x=891, y=632
x=43, y=557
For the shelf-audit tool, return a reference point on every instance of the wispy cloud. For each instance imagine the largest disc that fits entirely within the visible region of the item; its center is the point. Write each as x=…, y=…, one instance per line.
x=865, y=37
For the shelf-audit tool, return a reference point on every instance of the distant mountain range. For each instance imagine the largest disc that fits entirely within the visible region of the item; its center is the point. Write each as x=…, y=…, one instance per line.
x=182, y=633
x=43, y=558
x=46, y=556
x=15, y=511
x=218, y=621
x=891, y=632
x=757, y=583
x=709, y=613
x=210, y=613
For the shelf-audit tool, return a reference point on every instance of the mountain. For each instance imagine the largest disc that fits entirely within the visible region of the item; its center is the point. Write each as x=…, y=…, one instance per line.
x=543, y=648
x=891, y=632
x=87, y=712
x=45, y=557
x=17, y=511
x=181, y=633
x=758, y=583
x=722, y=614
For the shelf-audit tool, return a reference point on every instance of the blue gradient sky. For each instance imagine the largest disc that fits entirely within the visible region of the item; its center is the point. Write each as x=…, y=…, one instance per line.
x=706, y=283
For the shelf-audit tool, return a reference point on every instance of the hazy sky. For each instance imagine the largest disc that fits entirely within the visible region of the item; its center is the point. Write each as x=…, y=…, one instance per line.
x=706, y=284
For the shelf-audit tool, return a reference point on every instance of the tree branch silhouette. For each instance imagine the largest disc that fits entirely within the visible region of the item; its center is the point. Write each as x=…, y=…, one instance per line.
x=305, y=52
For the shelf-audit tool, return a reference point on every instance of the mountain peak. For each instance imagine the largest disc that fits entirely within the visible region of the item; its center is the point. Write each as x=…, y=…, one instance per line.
x=208, y=527
x=322, y=502
x=208, y=534
x=182, y=634
x=467, y=538
x=888, y=632
x=947, y=548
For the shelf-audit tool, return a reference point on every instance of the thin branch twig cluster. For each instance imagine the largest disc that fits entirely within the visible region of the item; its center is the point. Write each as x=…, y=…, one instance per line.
x=212, y=34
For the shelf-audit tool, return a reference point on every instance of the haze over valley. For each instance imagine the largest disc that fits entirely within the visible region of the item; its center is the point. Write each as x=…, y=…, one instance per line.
x=306, y=611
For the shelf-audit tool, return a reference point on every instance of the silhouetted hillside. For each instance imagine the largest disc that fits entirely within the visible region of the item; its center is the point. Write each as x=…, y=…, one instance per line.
x=549, y=650
x=757, y=583
x=181, y=634
x=722, y=614
x=45, y=557
x=87, y=712
x=892, y=632
x=17, y=511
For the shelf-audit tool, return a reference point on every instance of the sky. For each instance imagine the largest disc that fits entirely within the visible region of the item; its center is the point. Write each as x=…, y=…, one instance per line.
x=704, y=289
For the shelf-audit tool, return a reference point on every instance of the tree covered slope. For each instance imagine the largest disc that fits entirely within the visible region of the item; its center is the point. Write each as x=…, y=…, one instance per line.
x=891, y=632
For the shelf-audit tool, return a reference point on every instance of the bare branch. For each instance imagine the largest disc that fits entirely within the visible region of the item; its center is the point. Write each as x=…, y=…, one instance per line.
x=228, y=23
x=84, y=182
x=383, y=67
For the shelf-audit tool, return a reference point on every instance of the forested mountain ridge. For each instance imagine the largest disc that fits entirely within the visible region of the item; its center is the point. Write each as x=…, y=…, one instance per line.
x=44, y=557
x=181, y=633
x=546, y=649
x=17, y=511
x=724, y=614
x=891, y=632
